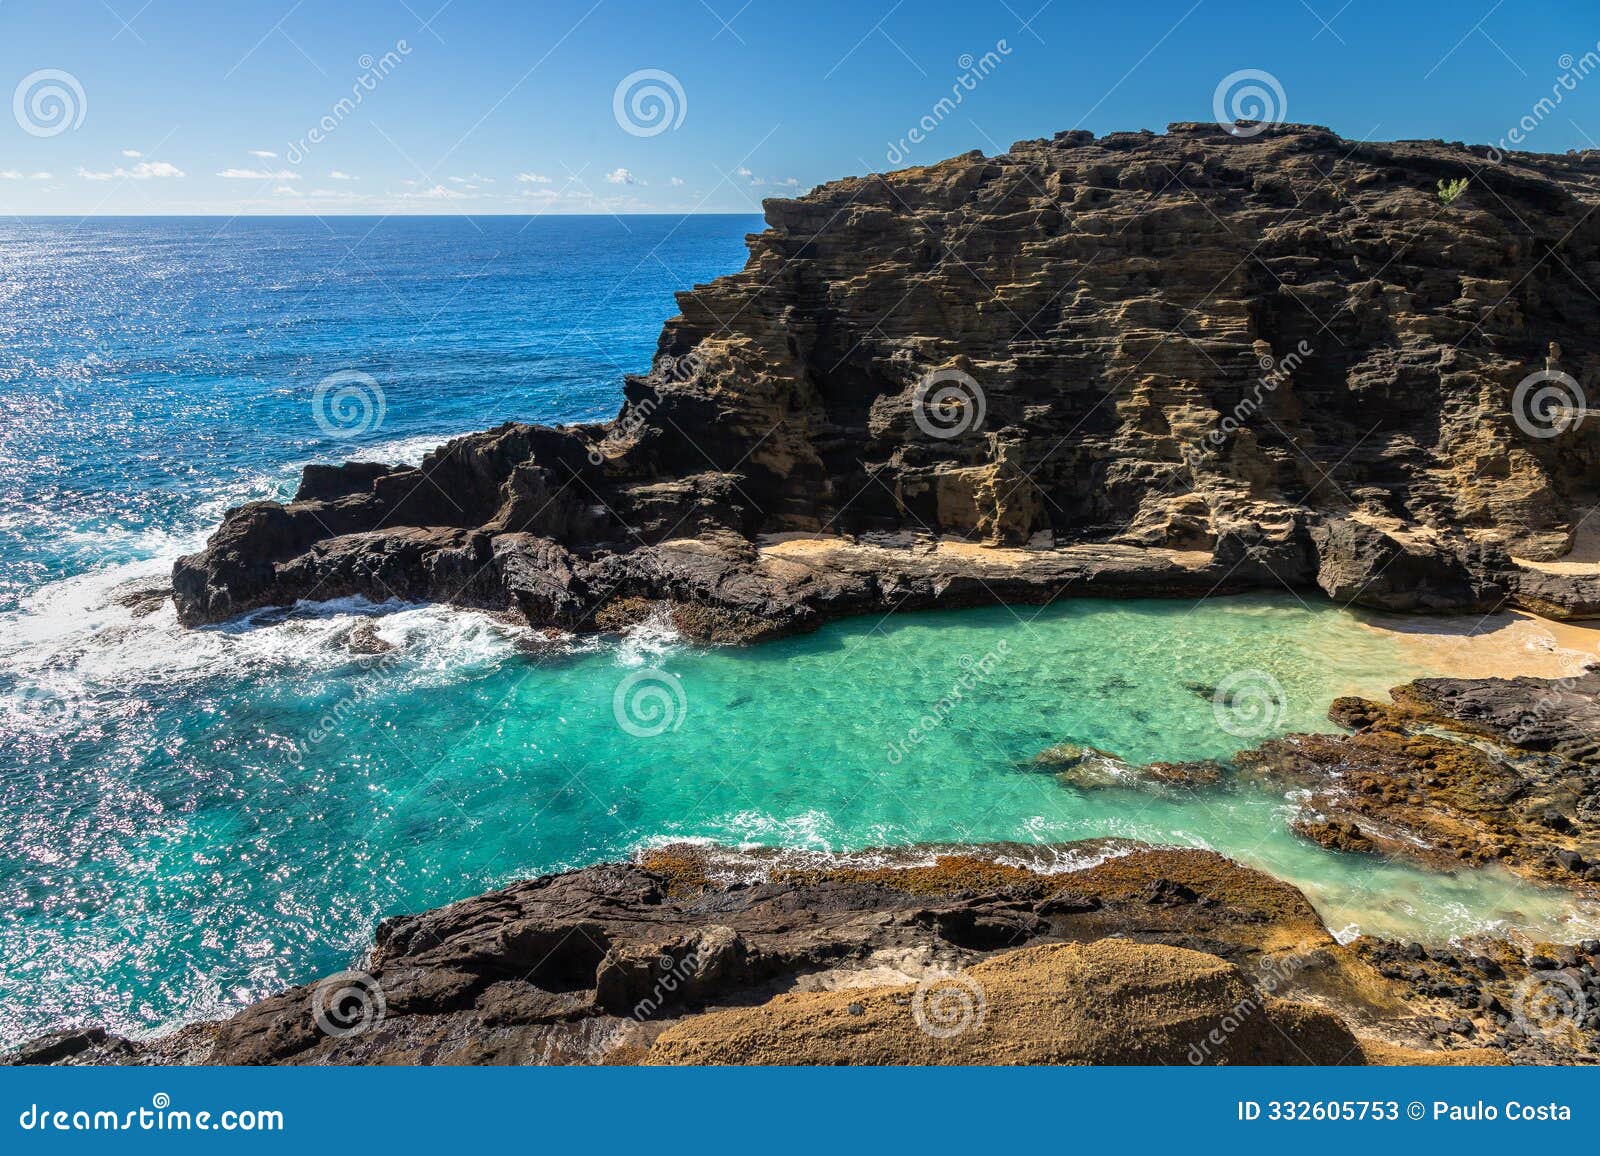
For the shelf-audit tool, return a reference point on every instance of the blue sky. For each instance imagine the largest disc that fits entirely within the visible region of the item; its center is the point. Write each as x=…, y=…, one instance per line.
x=178, y=106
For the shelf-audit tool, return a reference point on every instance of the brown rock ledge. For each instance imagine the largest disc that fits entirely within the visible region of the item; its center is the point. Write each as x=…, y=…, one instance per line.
x=1455, y=771
x=698, y=954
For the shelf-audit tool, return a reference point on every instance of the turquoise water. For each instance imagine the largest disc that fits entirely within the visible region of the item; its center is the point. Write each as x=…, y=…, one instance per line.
x=192, y=819
x=224, y=812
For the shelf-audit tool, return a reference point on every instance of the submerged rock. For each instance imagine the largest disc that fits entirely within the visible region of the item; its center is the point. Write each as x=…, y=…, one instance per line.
x=364, y=639
x=1084, y=767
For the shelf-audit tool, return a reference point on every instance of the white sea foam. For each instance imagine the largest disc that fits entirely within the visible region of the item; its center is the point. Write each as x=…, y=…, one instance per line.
x=95, y=632
x=647, y=643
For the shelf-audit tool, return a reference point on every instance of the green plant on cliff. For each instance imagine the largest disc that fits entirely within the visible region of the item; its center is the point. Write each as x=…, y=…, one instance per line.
x=1450, y=190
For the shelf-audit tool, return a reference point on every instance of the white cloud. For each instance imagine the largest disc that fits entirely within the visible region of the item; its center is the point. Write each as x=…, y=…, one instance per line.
x=135, y=153
x=143, y=171
x=743, y=172
x=436, y=193
x=286, y=191
x=675, y=182
x=336, y=175
x=264, y=154
x=533, y=178
x=621, y=176
x=790, y=182
x=10, y=175
x=41, y=177
x=258, y=175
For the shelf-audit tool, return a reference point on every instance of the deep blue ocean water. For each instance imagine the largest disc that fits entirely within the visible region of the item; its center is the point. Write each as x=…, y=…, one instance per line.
x=154, y=367
x=182, y=829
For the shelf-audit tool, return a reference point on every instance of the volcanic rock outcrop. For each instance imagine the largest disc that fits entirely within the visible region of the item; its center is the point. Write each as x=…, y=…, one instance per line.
x=707, y=955
x=1454, y=771
x=1138, y=364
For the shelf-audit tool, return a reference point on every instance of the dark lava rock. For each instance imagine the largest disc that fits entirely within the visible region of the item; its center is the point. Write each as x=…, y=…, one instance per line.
x=1250, y=389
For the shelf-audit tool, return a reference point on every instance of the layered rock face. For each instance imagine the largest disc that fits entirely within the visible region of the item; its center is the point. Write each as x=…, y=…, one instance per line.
x=1138, y=364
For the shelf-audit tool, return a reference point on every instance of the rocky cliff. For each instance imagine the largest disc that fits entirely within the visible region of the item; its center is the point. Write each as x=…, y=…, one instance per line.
x=1144, y=363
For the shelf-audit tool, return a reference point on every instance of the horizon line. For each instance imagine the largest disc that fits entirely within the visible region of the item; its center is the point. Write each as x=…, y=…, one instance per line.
x=320, y=216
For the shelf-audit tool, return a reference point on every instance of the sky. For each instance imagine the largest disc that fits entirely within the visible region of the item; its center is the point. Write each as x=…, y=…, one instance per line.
x=549, y=106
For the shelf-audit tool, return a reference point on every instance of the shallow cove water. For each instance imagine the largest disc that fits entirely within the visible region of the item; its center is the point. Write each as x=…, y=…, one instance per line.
x=235, y=808
x=193, y=819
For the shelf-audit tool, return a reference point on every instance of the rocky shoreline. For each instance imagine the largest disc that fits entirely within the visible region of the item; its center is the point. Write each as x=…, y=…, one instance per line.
x=1181, y=364
x=1142, y=364
x=701, y=955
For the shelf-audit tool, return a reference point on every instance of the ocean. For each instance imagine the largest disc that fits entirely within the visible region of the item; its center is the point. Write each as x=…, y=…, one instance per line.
x=190, y=820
